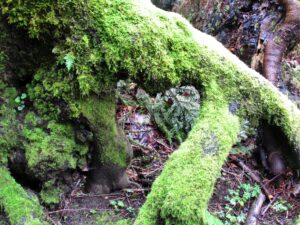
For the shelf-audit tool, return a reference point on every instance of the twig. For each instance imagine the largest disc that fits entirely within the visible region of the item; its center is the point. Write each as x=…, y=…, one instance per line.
x=93, y=196
x=152, y=172
x=75, y=210
x=52, y=220
x=268, y=206
x=138, y=131
x=274, y=178
x=164, y=145
x=255, y=178
x=252, y=218
x=228, y=172
x=138, y=190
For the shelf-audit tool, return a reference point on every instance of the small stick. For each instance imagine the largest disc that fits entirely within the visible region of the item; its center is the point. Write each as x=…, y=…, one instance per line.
x=252, y=218
x=52, y=220
x=255, y=178
x=74, y=210
x=269, y=205
x=164, y=145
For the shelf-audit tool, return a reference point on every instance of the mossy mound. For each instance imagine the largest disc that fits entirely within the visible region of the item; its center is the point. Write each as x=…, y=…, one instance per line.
x=50, y=149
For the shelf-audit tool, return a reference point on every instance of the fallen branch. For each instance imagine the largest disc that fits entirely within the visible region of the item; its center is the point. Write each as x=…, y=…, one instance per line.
x=255, y=178
x=254, y=213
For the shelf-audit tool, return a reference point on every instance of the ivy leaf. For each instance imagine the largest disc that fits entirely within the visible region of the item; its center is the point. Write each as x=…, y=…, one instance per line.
x=23, y=96
x=18, y=100
x=69, y=60
x=21, y=107
x=121, y=204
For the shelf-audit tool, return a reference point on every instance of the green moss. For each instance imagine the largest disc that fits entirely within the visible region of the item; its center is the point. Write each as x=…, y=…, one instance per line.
x=50, y=194
x=53, y=149
x=110, y=142
x=111, y=219
x=9, y=137
x=21, y=207
x=42, y=16
x=130, y=37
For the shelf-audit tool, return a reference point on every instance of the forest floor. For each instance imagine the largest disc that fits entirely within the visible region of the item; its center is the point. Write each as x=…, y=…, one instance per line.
x=234, y=193
x=235, y=190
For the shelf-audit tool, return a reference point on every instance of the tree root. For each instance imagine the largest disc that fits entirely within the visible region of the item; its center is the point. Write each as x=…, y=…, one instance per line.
x=287, y=33
x=20, y=206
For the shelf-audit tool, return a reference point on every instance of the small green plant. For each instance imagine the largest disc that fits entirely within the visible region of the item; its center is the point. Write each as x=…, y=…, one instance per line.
x=281, y=206
x=237, y=199
x=69, y=60
x=131, y=211
x=117, y=204
x=174, y=112
x=20, y=101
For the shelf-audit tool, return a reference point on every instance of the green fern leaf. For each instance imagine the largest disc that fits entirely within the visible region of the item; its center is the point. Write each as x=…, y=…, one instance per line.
x=69, y=60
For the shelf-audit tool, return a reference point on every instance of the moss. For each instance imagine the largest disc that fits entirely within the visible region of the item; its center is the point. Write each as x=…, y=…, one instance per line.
x=130, y=37
x=9, y=137
x=50, y=149
x=50, y=194
x=111, y=219
x=21, y=207
x=110, y=143
x=297, y=222
x=42, y=16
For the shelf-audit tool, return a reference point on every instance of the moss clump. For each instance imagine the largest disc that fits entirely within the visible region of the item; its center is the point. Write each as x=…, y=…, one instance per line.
x=50, y=149
x=9, y=137
x=43, y=16
x=21, y=207
x=50, y=194
x=111, y=144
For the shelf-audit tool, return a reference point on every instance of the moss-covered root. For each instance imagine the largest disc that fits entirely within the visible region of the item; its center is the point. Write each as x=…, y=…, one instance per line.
x=181, y=193
x=20, y=207
x=111, y=152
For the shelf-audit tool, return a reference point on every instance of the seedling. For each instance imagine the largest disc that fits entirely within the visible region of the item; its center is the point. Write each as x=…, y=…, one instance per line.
x=20, y=100
x=117, y=204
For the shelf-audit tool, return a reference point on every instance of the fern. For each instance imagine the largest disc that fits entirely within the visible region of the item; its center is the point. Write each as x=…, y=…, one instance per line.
x=174, y=112
x=69, y=60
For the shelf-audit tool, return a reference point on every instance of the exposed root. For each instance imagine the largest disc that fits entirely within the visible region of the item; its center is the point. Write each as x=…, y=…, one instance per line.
x=287, y=33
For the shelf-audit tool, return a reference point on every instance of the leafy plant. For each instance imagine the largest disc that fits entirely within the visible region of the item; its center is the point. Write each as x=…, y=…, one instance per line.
x=174, y=112
x=237, y=199
x=281, y=206
x=117, y=204
x=20, y=101
x=69, y=60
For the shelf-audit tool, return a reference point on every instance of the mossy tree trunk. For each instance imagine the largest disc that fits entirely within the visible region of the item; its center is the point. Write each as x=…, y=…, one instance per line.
x=133, y=38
